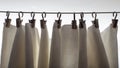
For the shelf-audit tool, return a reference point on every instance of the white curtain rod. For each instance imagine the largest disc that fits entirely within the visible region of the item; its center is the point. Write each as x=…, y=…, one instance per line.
x=59, y=12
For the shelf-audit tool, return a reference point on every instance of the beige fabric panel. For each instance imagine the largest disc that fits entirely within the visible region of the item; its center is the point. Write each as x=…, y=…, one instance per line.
x=55, y=47
x=32, y=46
x=69, y=47
x=97, y=57
x=17, y=58
x=36, y=44
x=7, y=43
x=44, y=49
x=109, y=37
x=82, y=47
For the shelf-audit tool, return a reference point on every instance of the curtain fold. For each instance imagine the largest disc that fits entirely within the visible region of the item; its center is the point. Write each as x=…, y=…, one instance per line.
x=17, y=58
x=97, y=57
x=109, y=37
x=55, y=47
x=44, y=49
x=69, y=47
x=83, y=47
x=32, y=46
x=7, y=43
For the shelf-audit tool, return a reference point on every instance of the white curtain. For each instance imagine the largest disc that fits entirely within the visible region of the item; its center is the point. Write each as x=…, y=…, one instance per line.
x=17, y=57
x=83, y=47
x=44, y=49
x=32, y=46
x=97, y=57
x=7, y=43
x=55, y=47
x=70, y=48
x=109, y=36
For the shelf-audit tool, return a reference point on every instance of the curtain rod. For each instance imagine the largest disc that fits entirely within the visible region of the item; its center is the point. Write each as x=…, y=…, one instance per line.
x=60, y=12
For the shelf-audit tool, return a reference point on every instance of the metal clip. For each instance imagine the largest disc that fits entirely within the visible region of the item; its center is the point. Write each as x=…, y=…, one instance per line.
x=95, y=22
x=74, y=23
x=33, y=20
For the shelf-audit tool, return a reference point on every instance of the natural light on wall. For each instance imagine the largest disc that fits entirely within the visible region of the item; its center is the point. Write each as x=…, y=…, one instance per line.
x=61, y=5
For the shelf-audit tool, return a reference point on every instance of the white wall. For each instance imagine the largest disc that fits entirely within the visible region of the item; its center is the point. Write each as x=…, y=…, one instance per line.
x=61, y=5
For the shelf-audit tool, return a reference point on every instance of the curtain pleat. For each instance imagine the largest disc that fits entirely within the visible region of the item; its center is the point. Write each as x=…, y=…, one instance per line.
x=44, y=49
x=7, y=43
x=17, y=58
x=69, y=47
x=55, y=47
x=36, y=43
x=32, y=46
x=109, y=37
x=83, y=47
x=97, y=57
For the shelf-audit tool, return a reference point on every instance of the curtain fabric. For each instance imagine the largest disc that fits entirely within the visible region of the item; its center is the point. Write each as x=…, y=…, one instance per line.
x=83, y=47
x=55, y=47
x=109, y=37
x=17, y=58
x=44, y=49
x=32, y=46
x=7, y=43
x=70, y=48
x=97, y=57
